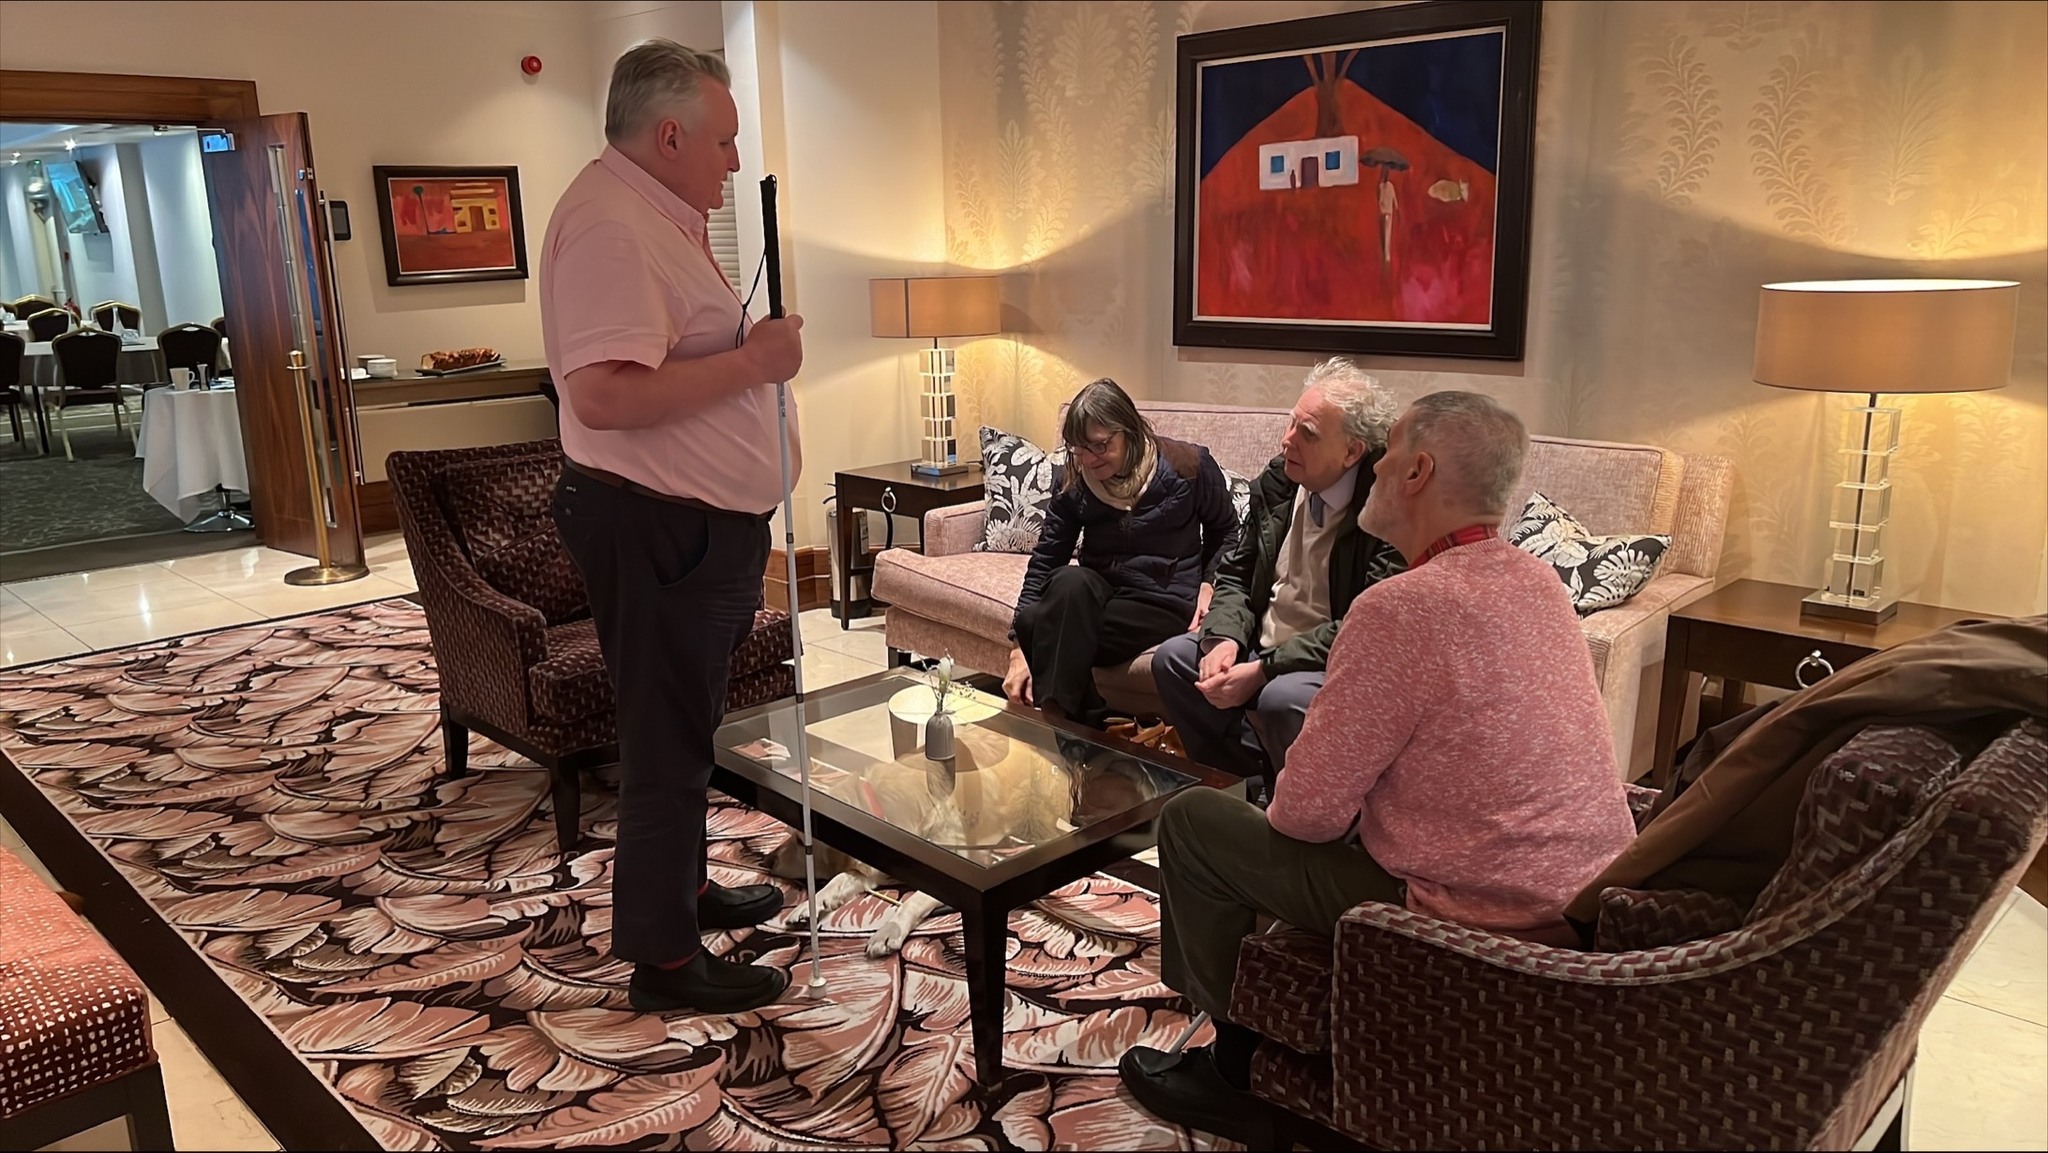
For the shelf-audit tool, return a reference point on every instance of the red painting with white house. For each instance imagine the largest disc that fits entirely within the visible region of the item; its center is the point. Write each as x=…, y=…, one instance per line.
x=1351, y=185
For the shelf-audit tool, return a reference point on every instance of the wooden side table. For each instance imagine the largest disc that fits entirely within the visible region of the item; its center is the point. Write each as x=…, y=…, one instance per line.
x=1751, y=633
x=895, y=490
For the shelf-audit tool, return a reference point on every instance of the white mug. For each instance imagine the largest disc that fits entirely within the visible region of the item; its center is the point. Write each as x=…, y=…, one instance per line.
x=181, y=378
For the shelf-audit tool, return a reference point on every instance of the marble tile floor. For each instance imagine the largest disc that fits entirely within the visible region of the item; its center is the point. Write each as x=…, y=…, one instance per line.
x=1981, y=1080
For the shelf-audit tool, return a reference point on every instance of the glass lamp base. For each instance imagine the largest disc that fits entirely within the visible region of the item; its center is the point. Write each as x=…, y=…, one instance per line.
x=1862, y=610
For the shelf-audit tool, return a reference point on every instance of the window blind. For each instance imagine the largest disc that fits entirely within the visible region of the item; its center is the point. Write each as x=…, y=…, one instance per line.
x=723, y=226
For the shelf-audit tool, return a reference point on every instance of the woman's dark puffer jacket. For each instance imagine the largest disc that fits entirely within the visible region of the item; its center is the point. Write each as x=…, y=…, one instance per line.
x=1163, y=549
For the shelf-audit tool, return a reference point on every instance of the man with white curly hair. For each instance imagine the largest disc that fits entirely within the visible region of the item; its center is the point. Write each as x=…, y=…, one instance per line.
x=1261, y=649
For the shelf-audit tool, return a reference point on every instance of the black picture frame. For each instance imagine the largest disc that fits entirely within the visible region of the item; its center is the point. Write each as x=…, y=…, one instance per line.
x=1502, y=336
x=396, y=271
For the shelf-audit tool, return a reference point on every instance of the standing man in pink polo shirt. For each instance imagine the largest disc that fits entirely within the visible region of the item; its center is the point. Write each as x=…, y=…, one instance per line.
x=669, y=422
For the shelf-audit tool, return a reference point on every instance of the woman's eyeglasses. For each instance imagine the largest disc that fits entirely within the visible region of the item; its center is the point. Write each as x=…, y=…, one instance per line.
x=1093, y=447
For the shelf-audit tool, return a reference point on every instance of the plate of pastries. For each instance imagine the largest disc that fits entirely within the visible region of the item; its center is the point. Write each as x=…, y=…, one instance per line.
x=444, y=363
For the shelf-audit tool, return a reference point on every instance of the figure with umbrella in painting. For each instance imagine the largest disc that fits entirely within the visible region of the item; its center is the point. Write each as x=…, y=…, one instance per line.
x=1386, y=160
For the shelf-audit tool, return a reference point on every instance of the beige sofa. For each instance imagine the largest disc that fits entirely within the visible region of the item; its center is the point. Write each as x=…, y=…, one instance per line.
x=953, y=600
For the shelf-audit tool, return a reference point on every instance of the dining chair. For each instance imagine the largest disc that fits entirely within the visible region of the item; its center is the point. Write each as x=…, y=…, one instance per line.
x=29, y=305
x=12, y=349
x=115, y=316
x=190, y=346
x=220, y=325
x=88, y=362
x=49, y=324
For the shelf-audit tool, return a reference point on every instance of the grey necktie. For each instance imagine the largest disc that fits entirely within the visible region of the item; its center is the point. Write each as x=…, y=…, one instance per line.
x=1316, y=508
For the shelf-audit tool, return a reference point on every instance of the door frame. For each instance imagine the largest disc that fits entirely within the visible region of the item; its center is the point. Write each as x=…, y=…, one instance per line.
x=126, y=99
x=90, y=97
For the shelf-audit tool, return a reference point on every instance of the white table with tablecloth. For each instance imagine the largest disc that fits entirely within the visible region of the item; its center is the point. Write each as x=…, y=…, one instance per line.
x=191, y=442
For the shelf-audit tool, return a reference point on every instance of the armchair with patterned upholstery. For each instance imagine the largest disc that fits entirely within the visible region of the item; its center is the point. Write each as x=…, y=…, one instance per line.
x=1694, y=1023
x=509, y=620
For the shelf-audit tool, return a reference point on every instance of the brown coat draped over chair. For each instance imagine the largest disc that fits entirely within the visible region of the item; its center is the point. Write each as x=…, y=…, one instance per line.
x=1726, y=827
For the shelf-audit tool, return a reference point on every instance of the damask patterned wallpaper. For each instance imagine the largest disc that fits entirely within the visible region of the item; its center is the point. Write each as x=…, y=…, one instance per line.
x=1686, y=153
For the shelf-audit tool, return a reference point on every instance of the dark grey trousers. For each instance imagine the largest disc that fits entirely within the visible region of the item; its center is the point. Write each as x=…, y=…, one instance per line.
x=1222, y=865
x=673, y=591
x=1080, y=622
x=1224, y=738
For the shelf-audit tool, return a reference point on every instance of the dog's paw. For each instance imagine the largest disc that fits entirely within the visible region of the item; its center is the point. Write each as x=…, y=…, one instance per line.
x=888, y=938
x=837, y=893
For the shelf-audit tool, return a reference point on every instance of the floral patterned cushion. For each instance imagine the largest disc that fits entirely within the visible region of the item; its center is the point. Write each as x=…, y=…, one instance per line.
x=1017, y=479
x=1600, y=571
x=1241, y=501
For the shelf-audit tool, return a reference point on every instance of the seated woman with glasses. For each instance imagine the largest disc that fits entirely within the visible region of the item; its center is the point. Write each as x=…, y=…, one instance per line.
x=1151, y=518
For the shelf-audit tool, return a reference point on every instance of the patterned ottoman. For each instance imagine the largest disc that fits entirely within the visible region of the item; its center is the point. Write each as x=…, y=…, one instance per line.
x=74, y=1026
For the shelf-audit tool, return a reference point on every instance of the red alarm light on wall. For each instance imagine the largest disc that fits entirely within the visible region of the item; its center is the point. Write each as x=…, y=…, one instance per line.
x=530, y=65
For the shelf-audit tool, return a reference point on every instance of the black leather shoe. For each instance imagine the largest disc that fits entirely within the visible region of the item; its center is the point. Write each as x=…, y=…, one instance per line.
x=1186, y=1089
x=705, y=984
x=721, y=908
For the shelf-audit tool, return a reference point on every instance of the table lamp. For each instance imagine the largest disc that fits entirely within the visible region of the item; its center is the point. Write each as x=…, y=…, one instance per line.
x=935, y=307
x=1872, y=337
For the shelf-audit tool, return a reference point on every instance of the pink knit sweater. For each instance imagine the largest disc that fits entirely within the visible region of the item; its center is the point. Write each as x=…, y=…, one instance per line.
x=1461, y=727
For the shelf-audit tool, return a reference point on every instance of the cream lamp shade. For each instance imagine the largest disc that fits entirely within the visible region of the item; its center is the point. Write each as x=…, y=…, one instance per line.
x=935, y=306
x=1874, y=337
x=1886, y=336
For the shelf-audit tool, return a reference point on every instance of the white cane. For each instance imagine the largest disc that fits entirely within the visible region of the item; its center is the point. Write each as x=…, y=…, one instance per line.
x=772, y=255
x=1202, y=1018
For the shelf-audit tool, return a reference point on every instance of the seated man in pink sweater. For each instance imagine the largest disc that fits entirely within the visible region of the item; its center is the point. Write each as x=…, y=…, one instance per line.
x=1457, y=760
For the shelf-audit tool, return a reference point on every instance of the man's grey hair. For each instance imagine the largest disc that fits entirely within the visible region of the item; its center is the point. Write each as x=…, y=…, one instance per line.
x=1477, y=444
x=653, y=77
x=1368, y=411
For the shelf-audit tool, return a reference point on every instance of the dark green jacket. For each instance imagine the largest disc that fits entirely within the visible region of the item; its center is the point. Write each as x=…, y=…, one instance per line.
x=1244, y=583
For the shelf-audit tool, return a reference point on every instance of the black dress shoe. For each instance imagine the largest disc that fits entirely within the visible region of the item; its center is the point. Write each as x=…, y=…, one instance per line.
x=721, y=908
x=705, y=984
x=1186, y=1089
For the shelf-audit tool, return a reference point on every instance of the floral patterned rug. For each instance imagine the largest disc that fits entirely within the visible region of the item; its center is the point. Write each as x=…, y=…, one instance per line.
x=275, y=792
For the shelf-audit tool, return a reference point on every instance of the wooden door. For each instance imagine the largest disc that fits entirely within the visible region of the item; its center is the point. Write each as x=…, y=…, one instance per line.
x=277, y=291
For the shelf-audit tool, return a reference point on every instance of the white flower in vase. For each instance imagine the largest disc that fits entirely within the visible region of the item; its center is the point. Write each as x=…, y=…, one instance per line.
x=944, y=684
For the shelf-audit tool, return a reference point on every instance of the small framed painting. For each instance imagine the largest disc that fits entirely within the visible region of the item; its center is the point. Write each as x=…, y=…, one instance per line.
x=1358, y=182
x=444, y=225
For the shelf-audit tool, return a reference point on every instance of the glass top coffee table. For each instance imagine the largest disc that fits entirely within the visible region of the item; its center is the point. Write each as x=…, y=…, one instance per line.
x=1026, y=803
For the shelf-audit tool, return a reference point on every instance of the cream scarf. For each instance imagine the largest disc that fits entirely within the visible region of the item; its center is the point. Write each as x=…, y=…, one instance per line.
x=1122, y=492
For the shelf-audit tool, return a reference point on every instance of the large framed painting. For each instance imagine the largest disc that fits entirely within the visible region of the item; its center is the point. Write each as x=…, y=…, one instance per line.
x=450, y=224
x=1358, y=182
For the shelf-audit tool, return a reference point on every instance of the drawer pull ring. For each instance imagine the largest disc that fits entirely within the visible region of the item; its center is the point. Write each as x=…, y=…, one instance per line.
x=1817, y=661
x=889, y=500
